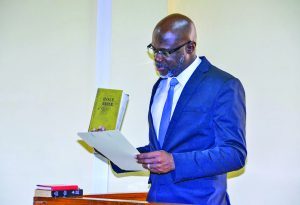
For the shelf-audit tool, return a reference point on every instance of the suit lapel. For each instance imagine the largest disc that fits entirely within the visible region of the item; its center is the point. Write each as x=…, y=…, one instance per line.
x=153, y=137
x=187, y=92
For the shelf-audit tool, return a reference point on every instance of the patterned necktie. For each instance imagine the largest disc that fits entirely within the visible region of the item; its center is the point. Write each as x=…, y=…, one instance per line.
x=166, y=114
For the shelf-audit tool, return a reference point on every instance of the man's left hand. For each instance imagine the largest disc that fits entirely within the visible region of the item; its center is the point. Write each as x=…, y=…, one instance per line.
x=157, y=161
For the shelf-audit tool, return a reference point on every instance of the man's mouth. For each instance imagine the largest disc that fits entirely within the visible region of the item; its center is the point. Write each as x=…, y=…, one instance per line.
x=160, y=67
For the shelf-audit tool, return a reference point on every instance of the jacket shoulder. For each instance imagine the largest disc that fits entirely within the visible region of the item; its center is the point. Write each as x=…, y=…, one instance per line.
x=219, y=74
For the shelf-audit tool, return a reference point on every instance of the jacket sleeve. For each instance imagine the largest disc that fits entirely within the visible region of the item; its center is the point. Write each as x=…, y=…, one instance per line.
x=144, y=149
x=228, y=129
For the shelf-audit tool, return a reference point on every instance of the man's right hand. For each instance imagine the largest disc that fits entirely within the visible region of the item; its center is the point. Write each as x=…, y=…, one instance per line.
x=99, y=129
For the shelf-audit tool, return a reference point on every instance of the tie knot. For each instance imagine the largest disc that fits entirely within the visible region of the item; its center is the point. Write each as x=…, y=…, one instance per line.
x=173, y=82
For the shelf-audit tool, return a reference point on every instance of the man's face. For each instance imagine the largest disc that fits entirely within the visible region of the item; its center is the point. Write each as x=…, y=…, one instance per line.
x=168, y=65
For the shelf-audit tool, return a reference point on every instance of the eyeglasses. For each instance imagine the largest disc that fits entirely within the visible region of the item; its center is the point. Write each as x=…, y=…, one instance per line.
x=165, y=52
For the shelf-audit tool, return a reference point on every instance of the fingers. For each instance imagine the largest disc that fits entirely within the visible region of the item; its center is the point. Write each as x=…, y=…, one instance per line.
x=145, y=166
x=156, y=162
x=147, y=161
x=155, y=168
x=99, y=129
x=149, y=155
x=147, y=158
x=149, y=166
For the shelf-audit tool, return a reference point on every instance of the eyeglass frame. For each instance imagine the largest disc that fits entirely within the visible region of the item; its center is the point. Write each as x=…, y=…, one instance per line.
x=166, y=52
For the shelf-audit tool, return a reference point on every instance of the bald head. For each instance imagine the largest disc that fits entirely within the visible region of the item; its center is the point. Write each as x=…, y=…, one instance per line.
x=176, y=36
x=175, y=29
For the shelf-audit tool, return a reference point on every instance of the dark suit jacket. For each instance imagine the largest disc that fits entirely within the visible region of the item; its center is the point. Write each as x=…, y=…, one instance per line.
x=206, y=137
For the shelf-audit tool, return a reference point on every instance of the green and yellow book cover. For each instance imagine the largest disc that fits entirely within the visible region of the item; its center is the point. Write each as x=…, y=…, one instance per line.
x=109, y=109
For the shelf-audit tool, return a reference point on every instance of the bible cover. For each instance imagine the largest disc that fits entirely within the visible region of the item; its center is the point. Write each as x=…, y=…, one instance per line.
x=61, y=193
x=57, y=187
x=109, y=109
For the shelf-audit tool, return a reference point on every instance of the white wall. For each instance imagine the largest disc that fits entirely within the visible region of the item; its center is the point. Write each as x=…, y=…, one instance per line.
x=259, y=42
x=133, y=71
x=47, y=89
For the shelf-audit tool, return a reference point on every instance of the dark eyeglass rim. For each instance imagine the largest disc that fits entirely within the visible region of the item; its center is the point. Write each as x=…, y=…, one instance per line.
x=168, y=51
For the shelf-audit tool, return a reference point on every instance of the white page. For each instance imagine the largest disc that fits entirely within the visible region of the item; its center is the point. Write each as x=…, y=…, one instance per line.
x=113, y=145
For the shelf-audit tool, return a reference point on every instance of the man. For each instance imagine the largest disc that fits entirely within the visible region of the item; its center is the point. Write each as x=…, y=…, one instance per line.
x=196, y=124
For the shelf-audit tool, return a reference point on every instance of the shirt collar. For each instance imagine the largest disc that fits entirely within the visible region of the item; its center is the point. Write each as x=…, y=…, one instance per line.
x=185, y=75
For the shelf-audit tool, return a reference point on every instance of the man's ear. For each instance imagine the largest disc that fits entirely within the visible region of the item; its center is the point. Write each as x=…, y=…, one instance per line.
x=190, y=48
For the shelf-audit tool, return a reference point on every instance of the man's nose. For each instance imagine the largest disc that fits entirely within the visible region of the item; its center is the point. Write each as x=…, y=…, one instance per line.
x=158, y=57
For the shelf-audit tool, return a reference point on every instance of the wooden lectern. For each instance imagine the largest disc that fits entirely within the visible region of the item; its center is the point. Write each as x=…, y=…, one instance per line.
x=108, y=199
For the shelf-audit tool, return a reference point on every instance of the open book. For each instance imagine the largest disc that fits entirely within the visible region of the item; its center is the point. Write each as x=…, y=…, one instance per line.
x=109, y=109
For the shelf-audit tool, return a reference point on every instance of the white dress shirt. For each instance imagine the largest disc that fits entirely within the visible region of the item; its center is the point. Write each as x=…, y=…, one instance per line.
x=161, y=93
